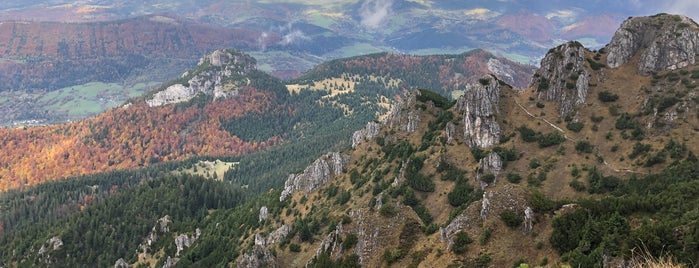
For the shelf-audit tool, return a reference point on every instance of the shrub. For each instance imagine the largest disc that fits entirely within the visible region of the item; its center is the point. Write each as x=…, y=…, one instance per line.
x=626, y=121
x=461, y=242
x=461, y=194
x=388, y=210
x=583, y=147
x=349, y=241
x=575, y=126
x=606, y=96
x=488, y=178
x=294, y=247
x=527, y=134
x=550, y=139
x=577, y=185
x=514, y=177
x=639, y=149
x=511, y=218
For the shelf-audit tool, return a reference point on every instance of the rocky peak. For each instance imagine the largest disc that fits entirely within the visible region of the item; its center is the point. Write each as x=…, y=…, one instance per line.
x=562, y=77
x=666, y=42
x=218, y=74
x=479, y=106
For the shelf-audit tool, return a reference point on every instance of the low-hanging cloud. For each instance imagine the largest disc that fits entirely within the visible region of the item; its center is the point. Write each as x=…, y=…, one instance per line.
x=374, y=12
x=294, y=37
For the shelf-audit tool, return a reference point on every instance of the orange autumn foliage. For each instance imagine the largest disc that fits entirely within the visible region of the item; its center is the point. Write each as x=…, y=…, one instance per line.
x=126, y=137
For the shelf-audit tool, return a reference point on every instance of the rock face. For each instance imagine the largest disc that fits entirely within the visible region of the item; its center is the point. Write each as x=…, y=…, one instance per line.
x=218, y=75
x=479, y=106
x=447, y=234
x=367, y=133
x=183, y=241
x=563, y=78
x=161, y=227
x=121, y=263
x=316, y=175
x=502, y=71
x=403, y=118
x=528, y=220
x=264, y=213
x=666, y=42
x=491, y=164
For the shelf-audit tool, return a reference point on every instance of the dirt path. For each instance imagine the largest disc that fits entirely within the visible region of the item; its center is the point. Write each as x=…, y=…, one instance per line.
x=554, y=126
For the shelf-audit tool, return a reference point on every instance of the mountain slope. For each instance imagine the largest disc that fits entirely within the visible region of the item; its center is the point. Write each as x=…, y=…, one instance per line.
x=622, y=181
x=586, y=167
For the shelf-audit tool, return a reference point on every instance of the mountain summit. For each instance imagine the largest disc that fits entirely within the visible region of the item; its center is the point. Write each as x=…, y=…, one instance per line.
x=662, y=42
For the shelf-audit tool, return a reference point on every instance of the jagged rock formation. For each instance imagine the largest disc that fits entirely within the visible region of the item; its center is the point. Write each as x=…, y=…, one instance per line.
x=315, y=175
x=563, y=78
x=491, y=164
x=170, y=262
x=403, y=118
x=162, y=226
x=264, y=214
x=278, y=234
x=183, y=241
x=218, y=75
x=666, y=42
x=447, y=234
x=367, y=133
x=479, y=105
x=121, y=263
x=528, y=219
x=54, y=243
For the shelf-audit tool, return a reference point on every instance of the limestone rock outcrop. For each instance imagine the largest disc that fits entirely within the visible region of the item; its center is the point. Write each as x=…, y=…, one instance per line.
x=448, y=233
x=316, y=175
x=666, y=42
x=367, y=133
x=563, y=78
x=479, y=106
x=402, y=117
x=264, y=214
x=218, y=75
x=183, y=241
x=491, y=164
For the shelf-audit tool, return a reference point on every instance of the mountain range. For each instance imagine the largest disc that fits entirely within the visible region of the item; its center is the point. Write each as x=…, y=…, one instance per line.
x=377, y=160
x=109, y=51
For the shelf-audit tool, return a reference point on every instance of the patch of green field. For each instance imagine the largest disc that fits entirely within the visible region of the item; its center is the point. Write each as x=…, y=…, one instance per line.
x=358, y=49
x=439, y=51
x=209, y=169
x=319, y=19
x=85, y=100
x=513, y=57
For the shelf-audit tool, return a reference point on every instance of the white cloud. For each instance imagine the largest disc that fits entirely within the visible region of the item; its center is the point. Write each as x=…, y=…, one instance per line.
x=373, y=12
x=295, y=36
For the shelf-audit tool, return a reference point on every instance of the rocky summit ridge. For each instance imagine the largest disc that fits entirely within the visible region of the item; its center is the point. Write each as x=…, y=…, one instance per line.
x=219, y=75
x=665, y=42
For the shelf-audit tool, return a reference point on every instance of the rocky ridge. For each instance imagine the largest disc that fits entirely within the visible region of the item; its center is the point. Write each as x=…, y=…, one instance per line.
x=666, y=42
x=563, y=77
x=316, y=175
x=218, y=75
